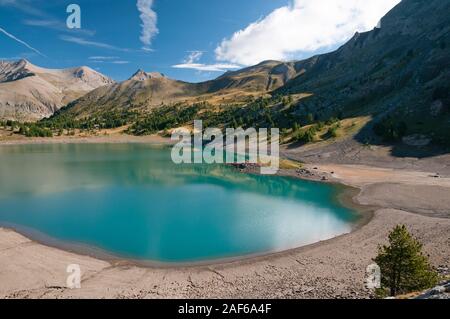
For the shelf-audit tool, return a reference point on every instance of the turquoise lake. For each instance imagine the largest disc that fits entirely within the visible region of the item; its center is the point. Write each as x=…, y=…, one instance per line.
x=131, y=201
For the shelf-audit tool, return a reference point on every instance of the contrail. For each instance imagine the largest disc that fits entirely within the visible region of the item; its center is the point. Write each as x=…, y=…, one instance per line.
x=21, y=42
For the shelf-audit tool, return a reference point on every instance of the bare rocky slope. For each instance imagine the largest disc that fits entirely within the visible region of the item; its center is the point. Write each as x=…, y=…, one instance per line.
x=30, y=93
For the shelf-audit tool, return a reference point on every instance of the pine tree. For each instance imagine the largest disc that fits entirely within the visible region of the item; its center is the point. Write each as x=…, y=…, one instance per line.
x=403, y=266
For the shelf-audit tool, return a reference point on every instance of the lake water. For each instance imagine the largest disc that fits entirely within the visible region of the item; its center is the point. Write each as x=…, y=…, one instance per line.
x=131, y=201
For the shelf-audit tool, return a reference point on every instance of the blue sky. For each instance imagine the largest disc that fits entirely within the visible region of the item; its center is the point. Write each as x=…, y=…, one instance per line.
x=195, y=40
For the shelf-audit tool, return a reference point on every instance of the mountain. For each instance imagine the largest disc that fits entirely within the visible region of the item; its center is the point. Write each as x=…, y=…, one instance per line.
x=141, y=75
x=29, y=93
x=264, y=77
x=398, y=73
x=395, y=78
x=144, y=91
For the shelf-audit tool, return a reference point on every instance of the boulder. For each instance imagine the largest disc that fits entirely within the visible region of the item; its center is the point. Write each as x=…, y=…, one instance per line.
x=436, y=107
x=437, y=290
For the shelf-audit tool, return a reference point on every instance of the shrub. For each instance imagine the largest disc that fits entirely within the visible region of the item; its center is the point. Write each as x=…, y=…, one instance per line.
x=390, y=130
x=441, y=93
x=332, y=132
x=35, y=131
x=307, y=136
x=332, y=121
x=319, y=126
x=403, y=266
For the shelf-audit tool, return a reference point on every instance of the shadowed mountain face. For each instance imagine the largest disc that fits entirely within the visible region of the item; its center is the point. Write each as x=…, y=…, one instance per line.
x=144, y=91
x=399, y=71
x=29, y=93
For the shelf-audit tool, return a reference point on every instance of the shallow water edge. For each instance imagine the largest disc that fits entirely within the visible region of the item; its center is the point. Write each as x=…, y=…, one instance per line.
x=345, y=196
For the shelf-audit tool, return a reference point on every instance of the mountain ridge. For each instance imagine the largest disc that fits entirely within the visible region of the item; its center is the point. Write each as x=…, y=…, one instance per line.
x=148, y=90
x=30, y=93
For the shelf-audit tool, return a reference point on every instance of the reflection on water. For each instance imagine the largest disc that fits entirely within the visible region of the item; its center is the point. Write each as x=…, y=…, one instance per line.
x=131, y=200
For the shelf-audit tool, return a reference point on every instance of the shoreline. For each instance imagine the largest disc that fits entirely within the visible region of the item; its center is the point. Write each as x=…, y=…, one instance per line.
x=353, y=194
x=345, y=198
x=107, y=139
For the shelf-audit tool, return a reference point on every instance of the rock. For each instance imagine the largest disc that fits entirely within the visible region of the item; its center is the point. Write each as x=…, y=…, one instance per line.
x=439, y=297
x=443, y=270
x=436, y=107
x=437, y=290
x=416, y=140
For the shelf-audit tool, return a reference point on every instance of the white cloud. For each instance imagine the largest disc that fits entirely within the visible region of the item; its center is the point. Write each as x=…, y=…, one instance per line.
x=41, y=18
x=107, y=59
x=191, y=62
x=24, y=6
x=51, y=23
x=21, y=42
x=149, y=20
x=193, y=57
x=217, y=67
x=40, y=23
x=102, y=58
x=301, y=27
x=96, y=44
x=120, y=62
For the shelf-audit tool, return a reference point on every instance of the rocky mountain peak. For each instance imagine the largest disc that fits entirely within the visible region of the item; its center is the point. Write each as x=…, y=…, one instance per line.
x=29, y=92
x=14, y=70
x=90, y=76
x=141, y=75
